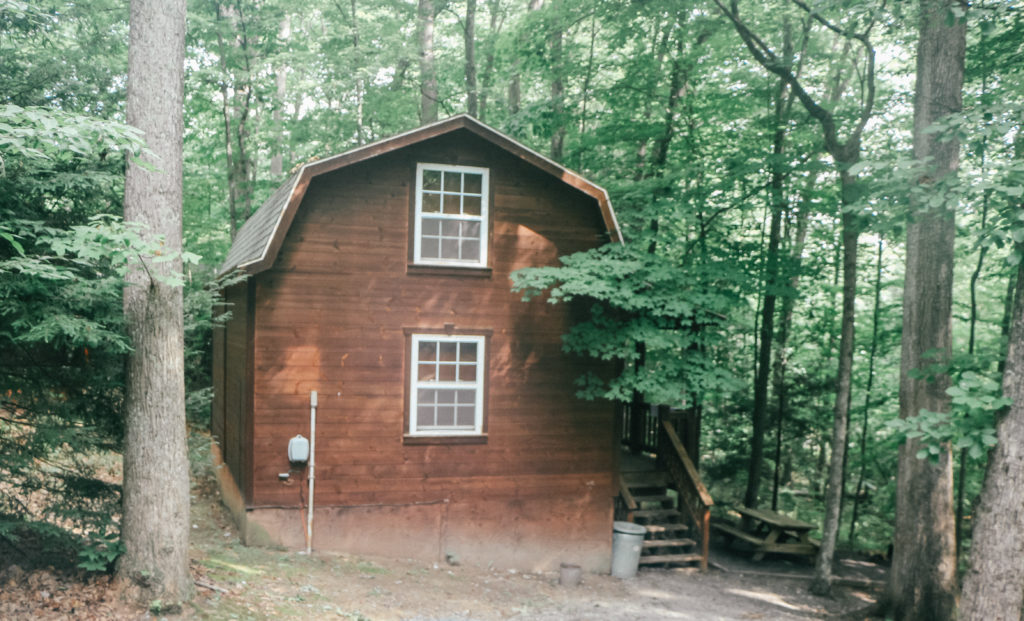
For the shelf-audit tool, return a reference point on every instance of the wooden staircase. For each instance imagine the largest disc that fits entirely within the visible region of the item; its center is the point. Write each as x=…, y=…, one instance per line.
x=669, y=499
x=667, y=542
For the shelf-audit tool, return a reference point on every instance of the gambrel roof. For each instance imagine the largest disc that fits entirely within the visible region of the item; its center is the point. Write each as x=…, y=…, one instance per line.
x=258, y=241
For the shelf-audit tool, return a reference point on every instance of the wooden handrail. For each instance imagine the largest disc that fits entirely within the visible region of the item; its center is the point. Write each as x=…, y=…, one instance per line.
x=694, y=495
x=684, y=457
x=627, y=496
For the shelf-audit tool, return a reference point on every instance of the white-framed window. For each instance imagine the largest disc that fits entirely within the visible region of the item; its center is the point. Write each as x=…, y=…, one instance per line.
x=447, y=385
x=451, y=215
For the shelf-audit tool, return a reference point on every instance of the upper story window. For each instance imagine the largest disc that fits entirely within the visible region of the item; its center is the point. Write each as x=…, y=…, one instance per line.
x=451, y=215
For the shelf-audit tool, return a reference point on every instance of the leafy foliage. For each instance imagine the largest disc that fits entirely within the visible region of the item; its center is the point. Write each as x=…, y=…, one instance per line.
x=638, y=298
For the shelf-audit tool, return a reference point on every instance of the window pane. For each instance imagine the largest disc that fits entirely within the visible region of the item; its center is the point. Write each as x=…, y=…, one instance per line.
x=452, y=182
x=431, y=203
x=451, y=204
x=465, y=397
x=445, y=397
x=445, y=416
x=426, y=396
x=448, y=351
x=431, y=179
x=450, y=228
x=471, y=205
x=430, y=248
x=466, y=416
x=431, y=226
x=449, y=249
x=471, y=250
x=424, y=417
x=467, y=352
x=467, y=372
x=426, y=372
x=446, y=372
x=471, y=229
x=472, y=183
x=428, y=351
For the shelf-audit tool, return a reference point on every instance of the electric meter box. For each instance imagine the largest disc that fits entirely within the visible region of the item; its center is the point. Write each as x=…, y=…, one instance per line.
x=298, y=450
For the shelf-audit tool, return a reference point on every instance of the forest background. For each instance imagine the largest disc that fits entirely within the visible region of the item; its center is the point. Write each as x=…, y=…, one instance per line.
x=727, y=296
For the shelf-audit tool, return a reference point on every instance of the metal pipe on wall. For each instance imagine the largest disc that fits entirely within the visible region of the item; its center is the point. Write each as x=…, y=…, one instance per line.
x=312, y=470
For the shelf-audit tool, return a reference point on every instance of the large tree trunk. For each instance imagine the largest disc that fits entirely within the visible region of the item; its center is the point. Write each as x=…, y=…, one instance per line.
x=994, y=585
x=428, y=71
x=922, y=582
x=155, y=524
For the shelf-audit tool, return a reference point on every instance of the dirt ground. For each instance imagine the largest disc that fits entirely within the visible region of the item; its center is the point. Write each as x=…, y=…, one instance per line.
x=236, y=582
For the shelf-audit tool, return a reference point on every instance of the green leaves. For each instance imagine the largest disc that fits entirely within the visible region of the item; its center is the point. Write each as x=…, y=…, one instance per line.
x=976, y=400
x=636, y=301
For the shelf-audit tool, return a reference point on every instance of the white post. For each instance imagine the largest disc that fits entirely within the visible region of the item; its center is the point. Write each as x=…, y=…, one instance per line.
x=312, y=470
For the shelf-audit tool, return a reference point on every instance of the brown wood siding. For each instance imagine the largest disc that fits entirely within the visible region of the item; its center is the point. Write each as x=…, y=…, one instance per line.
x=232, y=359
x=330, y=316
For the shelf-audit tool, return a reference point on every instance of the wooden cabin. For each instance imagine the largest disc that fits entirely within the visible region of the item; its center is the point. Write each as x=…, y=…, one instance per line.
x=446, y=420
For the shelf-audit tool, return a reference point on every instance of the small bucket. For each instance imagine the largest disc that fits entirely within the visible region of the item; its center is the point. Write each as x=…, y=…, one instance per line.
x=569, y=575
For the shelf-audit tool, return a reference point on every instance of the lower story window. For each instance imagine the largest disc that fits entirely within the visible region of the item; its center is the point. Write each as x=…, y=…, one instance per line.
x=447, y=390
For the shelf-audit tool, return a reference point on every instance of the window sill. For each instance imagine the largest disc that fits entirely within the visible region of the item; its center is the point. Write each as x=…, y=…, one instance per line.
x=426, y=440
x=443, y=270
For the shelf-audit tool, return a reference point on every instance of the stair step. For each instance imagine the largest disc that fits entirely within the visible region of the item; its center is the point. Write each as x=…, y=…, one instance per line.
x=653, y=498
x=670, y=558
x=657, y=529
x=653, y=514
x=645, y=479
x=666, y=543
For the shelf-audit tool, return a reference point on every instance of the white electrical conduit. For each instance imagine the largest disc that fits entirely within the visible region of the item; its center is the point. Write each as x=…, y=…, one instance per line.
x=312, y=469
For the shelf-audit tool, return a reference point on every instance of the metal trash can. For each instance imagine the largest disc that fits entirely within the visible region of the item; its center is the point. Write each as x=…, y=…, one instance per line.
x=627, y=541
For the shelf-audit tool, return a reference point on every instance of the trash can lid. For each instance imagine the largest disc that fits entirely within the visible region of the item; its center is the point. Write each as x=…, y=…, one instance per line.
x=628, y=528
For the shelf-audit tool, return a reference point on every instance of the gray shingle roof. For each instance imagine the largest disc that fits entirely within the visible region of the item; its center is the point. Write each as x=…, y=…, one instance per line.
x=253, y=238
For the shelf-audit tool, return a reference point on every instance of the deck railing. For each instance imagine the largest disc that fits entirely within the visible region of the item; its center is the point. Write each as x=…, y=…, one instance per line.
x=693, y=496
x=641, y=429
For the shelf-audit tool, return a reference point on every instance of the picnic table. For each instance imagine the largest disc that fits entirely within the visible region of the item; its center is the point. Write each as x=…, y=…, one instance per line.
x=771, y=532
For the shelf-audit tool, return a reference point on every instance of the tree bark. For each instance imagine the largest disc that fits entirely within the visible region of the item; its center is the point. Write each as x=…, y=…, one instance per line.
x=867, y=392
x=922, y=583
x=470, y=45
x=822, y=582
x=994, y=584
x=493, y=7
x=280, y=84
x=428, y=70
x=155, y=523
x=558, y=129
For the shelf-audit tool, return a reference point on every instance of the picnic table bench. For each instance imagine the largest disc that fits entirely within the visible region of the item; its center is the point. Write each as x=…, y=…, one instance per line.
x=771, y=532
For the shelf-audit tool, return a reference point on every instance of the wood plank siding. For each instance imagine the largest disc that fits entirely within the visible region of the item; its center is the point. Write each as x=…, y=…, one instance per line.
x=333, y=313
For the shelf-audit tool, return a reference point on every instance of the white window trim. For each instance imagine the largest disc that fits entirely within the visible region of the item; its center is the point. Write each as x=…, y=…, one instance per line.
x=478, y=385
x=484, y=215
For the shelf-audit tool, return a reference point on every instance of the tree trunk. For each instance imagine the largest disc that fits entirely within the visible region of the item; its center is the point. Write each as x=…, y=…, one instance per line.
x=867, y=392
x=493, y=6
x=557, y=92
x=994, y=585
x=795, y=262
x=280, y=84
x=922, y=583
x=428, y=70
x=759, y=415
x=470, y=46
x=822, y=582
x=155, y=522
x=514, y=87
